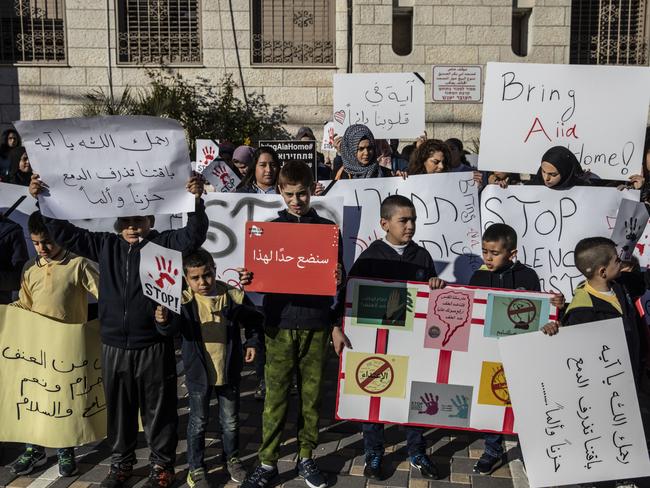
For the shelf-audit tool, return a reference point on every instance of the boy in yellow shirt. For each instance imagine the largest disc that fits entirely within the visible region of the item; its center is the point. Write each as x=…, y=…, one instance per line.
x=54, y=284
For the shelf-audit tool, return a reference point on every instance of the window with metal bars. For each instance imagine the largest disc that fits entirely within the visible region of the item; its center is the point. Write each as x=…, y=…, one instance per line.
x=158, y=32
x=32, y=31
x=608, y=32
x=293, y=33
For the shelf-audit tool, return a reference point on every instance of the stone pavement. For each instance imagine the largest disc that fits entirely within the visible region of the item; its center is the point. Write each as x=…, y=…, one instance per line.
x=340, y=453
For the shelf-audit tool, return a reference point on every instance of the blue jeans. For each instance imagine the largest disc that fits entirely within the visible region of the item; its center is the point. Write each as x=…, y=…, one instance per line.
x=373, y=439
x=494, y=445
x=59, y=452
x=228, y=397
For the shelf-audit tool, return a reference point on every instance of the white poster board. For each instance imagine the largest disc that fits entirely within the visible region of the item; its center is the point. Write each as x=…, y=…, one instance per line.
x=221, y=176
x=550, y=223
x=109, y=166
x=161, y=275
x=598, y=112
x=577, y=411
x=457, y=83
x=207, y=151
x=631, y=221
x=390, y=104
x=435, y=362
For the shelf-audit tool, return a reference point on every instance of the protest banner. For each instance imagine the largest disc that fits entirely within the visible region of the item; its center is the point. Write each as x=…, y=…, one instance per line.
x=109, y=166
x=457, y=83
x=51, y=391
x=228, y=214
x=207, y=151
x=631, y=221
x=390, y=104
x=328, y=137
x=288, y=258
x=221, y=176
x=448, y=225
x=161, y=275
x=303, y=151
x=529, y=108
x=550, y=223
x=577, y=411
x=429, y=357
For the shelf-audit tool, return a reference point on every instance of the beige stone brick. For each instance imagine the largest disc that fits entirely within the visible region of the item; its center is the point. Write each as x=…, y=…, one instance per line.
x=370, y=34
x=64, y=76
x=452, y=54
x=33, y=95
x=243, y=39
x=291, y=96
x=85, y=5
x=557, y=3
x=325, y=96
x=506, y=55
x=467, y=112
x=548, y=16
x=369, y=53
x=425, y=35
x=213, y=39
x=552, y=36
x=308, y=115
x=472, y=15
x=84, y=19
x=26, y=76
x=438, y=112
x=29, y=112
x=488, y=53
x=88, y=38
x=383, y=14
x=99, y=76
x=308, y=77
x=213, y=58
x=561, y=54
x=541, y=54
x=423, y=15
x=446, y=130
x=459, y=478
x=387, y=55
x=230, y=58
x=74, y=95
x=59, y=111
x=89, y=57
x=443, y=15
x=455, y=34
x=134, y=76
x=501, y=15
x=418, y=483
x=484, y=35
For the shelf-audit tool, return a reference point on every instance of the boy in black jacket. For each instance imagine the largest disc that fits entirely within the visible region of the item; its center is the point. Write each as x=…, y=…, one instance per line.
x=210, y=320
x=297, y=331
x=500, y=270
x=396, y=257
x=138, y=363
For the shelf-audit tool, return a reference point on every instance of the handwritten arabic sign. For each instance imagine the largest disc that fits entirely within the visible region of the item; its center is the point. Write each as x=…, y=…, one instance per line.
x=631, y=222
x=289, y=258
x=221, y=176
x=578, y=416
x=529, y=108
x=207, y=151
x=550, y=223
x=449, y=371
x=51, y=390
x=456, y=84
x=390, y=104
x=161, y=275
x=109, y=166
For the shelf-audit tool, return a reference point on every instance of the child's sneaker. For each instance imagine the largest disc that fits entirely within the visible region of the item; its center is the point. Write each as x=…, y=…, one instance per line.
x=372, y=469
x=29, y=460
x=159, y=477
x=425, y=465
x=117, y=475
x=308, y=471
x=196, y=478
x=260, y=478
x=67, y=463
x=488, y=464
x=236, y=470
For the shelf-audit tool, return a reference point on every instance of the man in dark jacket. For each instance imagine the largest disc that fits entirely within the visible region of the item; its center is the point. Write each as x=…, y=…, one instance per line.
x=13, y=256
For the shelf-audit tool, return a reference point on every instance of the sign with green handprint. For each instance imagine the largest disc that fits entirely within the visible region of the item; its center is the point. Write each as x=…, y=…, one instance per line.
x=440, y=404
x=389, y=306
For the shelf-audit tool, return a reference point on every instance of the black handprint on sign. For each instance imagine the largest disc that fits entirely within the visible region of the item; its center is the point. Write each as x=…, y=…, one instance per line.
x=631, y=229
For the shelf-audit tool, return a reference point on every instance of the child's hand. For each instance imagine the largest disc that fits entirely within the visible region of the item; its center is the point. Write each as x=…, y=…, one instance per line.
x=437, y=283
x=421, y=140
x=339, y=274
x=36, y=186
x=245, y=276
x=318, y=189
x=477, y=176
x=403, y=174
x=250, y=355
x=161, y=315
x=551, y=328
x=195, y=185
x=558, y=300
x=340, y=341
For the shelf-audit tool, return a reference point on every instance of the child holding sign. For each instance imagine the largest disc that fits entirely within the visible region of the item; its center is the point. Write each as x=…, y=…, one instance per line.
x=297, y=335
x=210, y=320
x=54, y=284
x=138, y=364
x=396, y=257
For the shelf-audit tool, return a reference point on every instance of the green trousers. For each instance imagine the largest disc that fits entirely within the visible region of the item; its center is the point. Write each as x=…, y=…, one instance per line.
x=306, y=351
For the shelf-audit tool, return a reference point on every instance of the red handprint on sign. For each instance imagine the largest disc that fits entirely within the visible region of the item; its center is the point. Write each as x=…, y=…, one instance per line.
x=430, y=404
x=227, y=181
x=208, y=155
x=165, y=272
x=330, y=136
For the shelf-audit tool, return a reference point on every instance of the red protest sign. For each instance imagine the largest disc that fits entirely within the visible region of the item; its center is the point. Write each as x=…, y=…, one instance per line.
x=292, y=258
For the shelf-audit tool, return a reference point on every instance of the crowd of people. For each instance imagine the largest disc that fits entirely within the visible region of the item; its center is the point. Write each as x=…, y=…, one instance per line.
x=288, y=336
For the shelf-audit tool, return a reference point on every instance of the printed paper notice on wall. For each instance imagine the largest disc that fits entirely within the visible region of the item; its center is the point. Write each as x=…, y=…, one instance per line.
x=161, y=276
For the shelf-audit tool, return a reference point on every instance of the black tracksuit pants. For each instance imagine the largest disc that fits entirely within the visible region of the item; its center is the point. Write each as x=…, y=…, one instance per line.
x=141, y=380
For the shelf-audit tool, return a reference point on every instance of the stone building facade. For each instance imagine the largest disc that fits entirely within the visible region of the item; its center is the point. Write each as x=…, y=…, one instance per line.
x=359, y=36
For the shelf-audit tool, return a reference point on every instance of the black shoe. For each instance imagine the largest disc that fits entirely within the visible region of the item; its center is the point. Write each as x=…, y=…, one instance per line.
x=29, y=460
x=294, y=388
x=372, y=469
x=260, y=392
x=117, y=475
x=260, y=478
x=67, y=463
x=488, y=464
x=309, y=472
x=159, y=477
x=426, y=466
x=196, y=478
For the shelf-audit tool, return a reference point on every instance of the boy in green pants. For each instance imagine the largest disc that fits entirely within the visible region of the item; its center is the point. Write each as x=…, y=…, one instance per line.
x=297, y=330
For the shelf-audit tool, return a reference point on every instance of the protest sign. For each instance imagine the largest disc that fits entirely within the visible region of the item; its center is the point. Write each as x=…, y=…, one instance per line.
x=529, y=108
x=109, y=166
x=426, y=357
x=207, y=151
x=447, y=207
x=228, y=214
x=303, y=151
x=631, y=221
x=51, y=390
x=577, y=411
x=457, y=83
x=161, y=275
x=328, y=137
x=289, y=258
x=221, y=176
x=550, y=223
x=390, y=104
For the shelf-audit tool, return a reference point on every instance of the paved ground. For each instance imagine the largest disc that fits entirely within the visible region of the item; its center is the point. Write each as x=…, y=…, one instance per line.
x=339, y=454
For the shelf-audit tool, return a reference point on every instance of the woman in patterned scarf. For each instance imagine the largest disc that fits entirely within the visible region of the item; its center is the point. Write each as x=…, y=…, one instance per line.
x=359, y=155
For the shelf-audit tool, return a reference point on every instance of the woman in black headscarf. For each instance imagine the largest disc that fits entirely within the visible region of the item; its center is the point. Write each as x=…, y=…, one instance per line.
x=20, y=172
x=9, y=142
x=359, y=155
x=560, y=170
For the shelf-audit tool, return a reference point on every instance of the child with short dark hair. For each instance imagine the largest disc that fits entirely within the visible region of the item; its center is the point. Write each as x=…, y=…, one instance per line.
x=54, y=284
x=395, y=257
x=502, y=270
x=297, y=331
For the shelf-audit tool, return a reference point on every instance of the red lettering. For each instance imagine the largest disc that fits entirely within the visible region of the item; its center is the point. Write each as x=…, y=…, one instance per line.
x=532, y=130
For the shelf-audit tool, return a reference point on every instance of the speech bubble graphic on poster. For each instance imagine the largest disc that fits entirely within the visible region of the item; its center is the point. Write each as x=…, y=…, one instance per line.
x=161, y=276
x=221, y=176
x=449, y=320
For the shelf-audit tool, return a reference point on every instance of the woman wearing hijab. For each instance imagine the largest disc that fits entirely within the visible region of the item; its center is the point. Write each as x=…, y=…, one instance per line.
x=9, y=142
x=359, y=155
x=20, y=172
x=560, y=170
